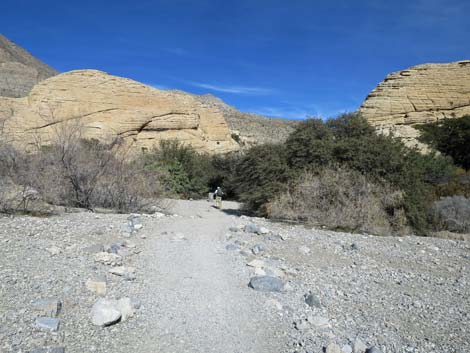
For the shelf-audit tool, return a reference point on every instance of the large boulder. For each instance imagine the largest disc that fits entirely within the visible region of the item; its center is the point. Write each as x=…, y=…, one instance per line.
x=421, y=94
x=105, y=107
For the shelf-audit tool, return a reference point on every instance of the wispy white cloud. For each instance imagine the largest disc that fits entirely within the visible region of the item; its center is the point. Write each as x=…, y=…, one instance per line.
x=244, y=90
x=278, y=112
x=299, y=113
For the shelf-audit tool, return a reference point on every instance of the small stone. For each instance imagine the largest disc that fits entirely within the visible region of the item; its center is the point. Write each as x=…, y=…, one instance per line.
x=354, y=246
x=115, y=247
x=258, y=248
x=319, y=321
x=105, y=313
x=251, y=228
x=138, y=226
x=108, y=258
x=346, y=349
x=232, y=247
x=359, y=346
x=179, y=237
x=274, y=271
x=333, y=348
x=126, y=308
x=54, y=250
x=259, y=271
x=373, y=349
x=136, y=303
x=256, y=263
x=304, y=250
x=49, y=307
x=234, y=229
x=263, y=230
x=48, y=323
x=266, y=284
x=97, y=285
x=312, y=300
x=288, y=287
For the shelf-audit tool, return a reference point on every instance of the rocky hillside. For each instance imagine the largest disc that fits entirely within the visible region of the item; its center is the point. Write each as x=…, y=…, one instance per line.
x=33, y=110
x=250, y=129
x=19, y=70
x=105, y=107
x=420, y=94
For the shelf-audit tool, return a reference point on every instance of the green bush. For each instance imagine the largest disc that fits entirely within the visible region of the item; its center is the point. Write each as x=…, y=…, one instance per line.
x=186, y=173
x=260, y=175
x=345, y=141
x=451, y=137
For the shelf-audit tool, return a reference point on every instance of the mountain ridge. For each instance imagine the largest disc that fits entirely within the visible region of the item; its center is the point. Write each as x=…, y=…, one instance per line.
x=20, y=70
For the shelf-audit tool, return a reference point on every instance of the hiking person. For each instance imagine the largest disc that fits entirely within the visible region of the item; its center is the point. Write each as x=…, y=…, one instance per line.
x=218, y=193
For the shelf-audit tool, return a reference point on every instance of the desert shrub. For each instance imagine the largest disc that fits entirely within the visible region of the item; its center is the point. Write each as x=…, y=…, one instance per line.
x=82, y=173
x=456, y=184
x=260, y=175
x=452, y=214
x=352, y=142
x=186, y=172
x=451, y=137
x=341, y=198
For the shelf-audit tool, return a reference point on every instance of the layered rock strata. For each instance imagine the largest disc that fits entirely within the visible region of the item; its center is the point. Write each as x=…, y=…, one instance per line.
x=421, y=94
x=104, y=107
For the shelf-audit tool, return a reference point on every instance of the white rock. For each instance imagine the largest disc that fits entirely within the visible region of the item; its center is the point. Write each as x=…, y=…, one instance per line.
x=108, y=258
x=257, y=263
x=304, y=250
x=97, y=285
x=359, y=346
x=319, y=322
x=126, y=308
x=333, y=348
x=263, y=230
x=54, y=250
x=259, y=271
x=105, y=313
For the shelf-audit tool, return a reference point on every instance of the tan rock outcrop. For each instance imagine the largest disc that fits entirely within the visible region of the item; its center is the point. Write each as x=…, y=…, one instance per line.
x=421, y=94
x=108, y=106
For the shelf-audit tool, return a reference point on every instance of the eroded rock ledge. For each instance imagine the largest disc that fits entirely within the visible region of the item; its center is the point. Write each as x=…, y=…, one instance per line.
x=106, y=106
x=421, y=94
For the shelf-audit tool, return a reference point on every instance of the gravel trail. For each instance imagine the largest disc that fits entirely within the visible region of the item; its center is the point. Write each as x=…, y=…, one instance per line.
x=188, y=288
x=198, y=292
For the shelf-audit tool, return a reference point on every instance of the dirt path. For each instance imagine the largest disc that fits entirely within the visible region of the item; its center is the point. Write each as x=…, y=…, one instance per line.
x=197, y=291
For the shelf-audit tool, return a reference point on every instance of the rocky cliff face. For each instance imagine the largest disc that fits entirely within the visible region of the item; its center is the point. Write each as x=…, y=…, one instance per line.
x=420, y=94
x=105, y=107
x=19, y=70
x=250, y=129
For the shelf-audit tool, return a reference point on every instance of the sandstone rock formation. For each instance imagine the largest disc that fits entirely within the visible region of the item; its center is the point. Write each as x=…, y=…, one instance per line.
x=19, y=70
x=107, y=107
x=420, y=94
x=250, y=129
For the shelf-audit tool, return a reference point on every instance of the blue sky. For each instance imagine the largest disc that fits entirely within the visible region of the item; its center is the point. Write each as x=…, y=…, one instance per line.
x=279, y=58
